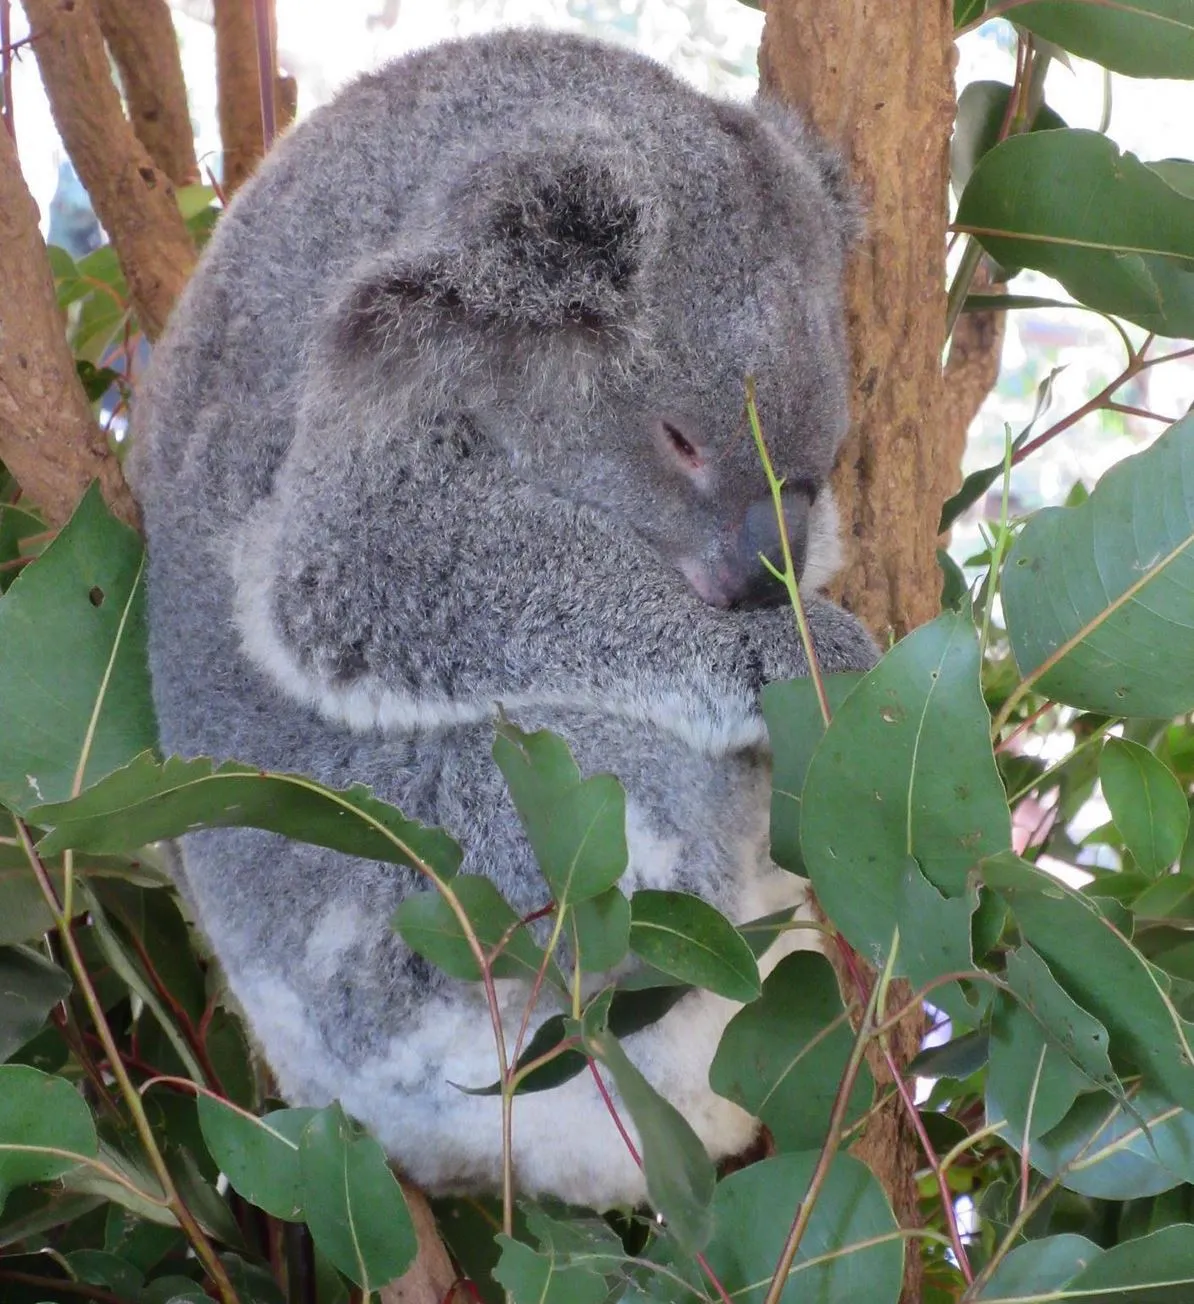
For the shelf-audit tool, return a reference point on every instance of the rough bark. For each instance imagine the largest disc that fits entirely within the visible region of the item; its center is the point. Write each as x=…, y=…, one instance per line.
x=140, y=35
x=431, y=1276
x=876, y=76
x=975, y=355
x=238, y=85
x=48, y=437
x=132, y=197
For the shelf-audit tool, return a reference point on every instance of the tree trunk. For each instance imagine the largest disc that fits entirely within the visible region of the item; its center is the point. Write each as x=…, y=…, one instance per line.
x=876, y=79
x=48, y=437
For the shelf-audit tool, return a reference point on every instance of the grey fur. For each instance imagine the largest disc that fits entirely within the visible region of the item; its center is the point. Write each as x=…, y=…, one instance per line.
x=401, y=460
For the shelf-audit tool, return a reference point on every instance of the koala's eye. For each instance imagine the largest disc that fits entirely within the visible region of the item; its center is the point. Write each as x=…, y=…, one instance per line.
x=681, y=446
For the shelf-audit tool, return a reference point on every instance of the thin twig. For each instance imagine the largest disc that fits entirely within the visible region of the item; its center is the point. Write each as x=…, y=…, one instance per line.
x=833, y=1140
x=203, y=1248
x=788, y=575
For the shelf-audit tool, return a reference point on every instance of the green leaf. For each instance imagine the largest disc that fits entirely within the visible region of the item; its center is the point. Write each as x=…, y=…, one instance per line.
x=1139, y=38
x=629, y=1012
x=783, y=1057
x=795, y=727
x=24, y=914
x=905, y=768
x=74, y=684
x=1105, y=975
x=353, y=1203
x=1039, y=1267
x=1121, y=1151
x=1147, y=804
x=259, y=1156
x=127, y=964
x=1156, y=1269
x=430, y=928
x=982, y=111
x=148, y=801
x=1104, y=224
x=851, y=1250
x=957, y=1058
x=39, y=1113
x=1077, y=1034
x=100, y=1268
x=686, y=937
x=540, y=1278
x=1104, y=592
x=1031, y=1084
x=601, y=930
x=576, y=828
x=30, y=987
x=680, y=1175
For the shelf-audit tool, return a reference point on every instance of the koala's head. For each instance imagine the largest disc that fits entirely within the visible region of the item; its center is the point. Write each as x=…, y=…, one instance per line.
x=593, y=298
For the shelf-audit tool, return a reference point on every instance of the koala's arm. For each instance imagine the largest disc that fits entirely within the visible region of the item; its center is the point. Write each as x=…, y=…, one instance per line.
x=400, y=591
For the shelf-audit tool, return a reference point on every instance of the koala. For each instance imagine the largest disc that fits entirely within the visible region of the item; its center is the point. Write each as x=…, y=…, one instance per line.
x=450, y=422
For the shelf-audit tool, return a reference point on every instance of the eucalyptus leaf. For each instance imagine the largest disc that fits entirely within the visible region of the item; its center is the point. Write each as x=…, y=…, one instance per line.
x=1039, y=1267
x=429, y=926
x=30, y=987
x=687, y=938
x=538, y=1277
x=1107, y=977
x=782, y=1057
x=905, y=768
x=352, y=1202
x=982, y=112
x=1119, y=1151
x=680, y=1175
x=74, y=683
x=577, y=828
x=1099, y=598
x=1070, y=204
x=1147, y=803
x=851, y=1250
x=600, y=929
x=40, y=1114
x=259, y=1156
x=1155, y=1269
x=795, y=727
x=148, y=801
x=1140, y=38
x=1031, y=1084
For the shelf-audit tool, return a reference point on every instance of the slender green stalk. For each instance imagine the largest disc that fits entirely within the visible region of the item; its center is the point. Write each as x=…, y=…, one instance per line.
x=788, y=575
x=833, y=1139
x=1000, y=543
x=203, y=1248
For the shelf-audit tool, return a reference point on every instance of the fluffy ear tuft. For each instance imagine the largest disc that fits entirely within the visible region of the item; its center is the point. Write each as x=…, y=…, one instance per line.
x=790, y=127
x=540, y=242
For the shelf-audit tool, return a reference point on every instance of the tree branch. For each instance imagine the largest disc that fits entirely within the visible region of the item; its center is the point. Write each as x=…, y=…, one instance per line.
x=48, y=437
x=133, y=199
x=140, y=35
x=429, y=1280
x=238, y=82
x=975, y=355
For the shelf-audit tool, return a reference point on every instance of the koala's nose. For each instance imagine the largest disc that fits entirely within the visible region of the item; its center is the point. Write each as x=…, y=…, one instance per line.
x=760, y=537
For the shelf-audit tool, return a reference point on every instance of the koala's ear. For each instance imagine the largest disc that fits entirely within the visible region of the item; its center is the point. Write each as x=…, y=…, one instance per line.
x=536, y=242
x=834, y=174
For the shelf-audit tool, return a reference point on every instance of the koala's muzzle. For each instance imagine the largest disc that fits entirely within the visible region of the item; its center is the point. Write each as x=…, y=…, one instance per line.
x=734, y=575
